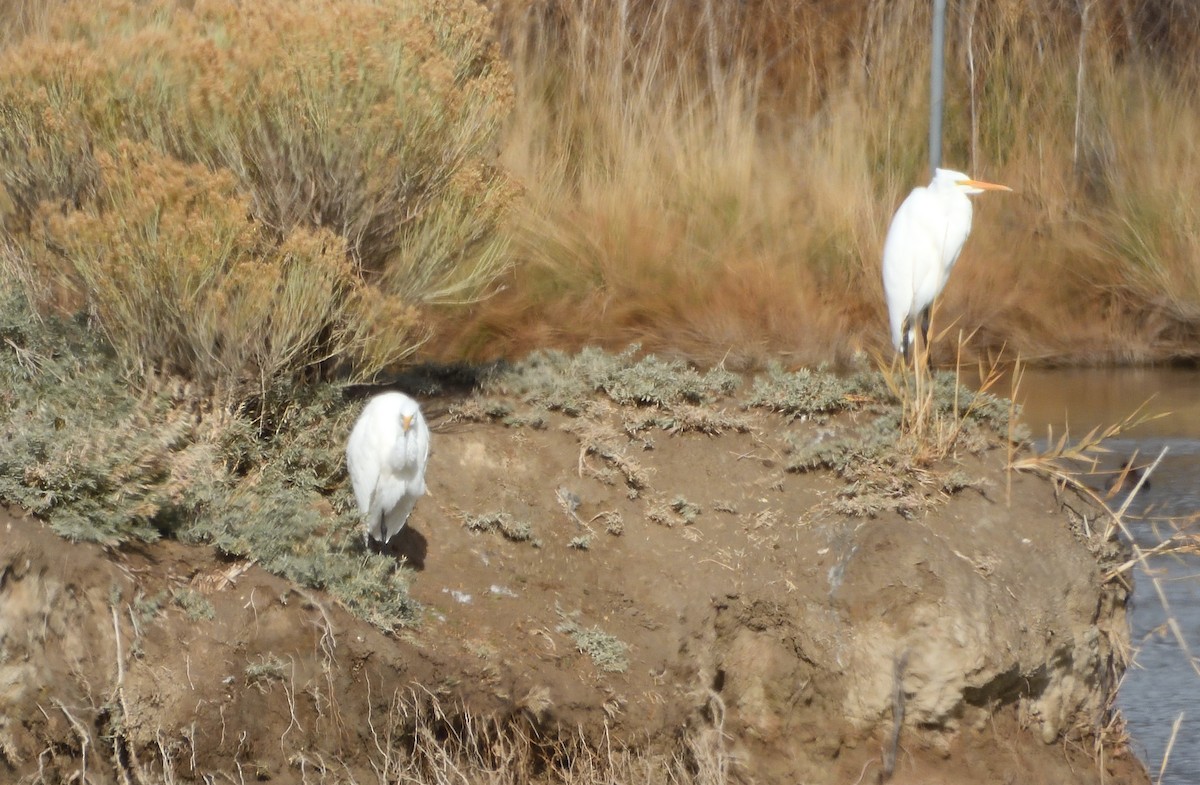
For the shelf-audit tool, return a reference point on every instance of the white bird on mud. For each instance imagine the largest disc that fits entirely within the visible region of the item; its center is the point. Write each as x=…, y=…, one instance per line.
x=923, y=242
x=386, y=455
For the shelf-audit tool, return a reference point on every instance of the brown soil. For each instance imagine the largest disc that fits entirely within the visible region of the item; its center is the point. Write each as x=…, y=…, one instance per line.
x=768, y=628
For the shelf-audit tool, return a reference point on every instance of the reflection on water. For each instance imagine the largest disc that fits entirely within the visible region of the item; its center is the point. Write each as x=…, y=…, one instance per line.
x=1161, y=684
x=1086, y=397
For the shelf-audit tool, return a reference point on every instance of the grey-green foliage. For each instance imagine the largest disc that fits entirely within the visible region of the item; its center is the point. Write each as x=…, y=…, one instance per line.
x=685, y=509
x=982, y=408
x=876, y=462
x=77, y=446
x=567, y=382
x=818, y=394
x=194, y=604
x=268, y=668
x=608, y=652
x=148, y=608
x=845, y=451
x=271, y=514
x=956, y=481
x=801, y=394
x=103, y=463
x=509, y=528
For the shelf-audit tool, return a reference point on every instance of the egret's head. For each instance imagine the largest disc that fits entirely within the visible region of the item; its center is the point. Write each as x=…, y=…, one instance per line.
x=957, y=181
x=409, y=410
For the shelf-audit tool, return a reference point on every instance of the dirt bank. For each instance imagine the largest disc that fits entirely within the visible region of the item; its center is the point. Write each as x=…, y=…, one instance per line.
x=595, y=596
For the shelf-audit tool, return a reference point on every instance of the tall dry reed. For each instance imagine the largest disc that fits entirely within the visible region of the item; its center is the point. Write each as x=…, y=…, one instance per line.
x=716, y=178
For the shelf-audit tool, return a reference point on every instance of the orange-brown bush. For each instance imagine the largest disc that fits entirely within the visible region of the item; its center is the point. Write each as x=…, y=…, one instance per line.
x=179, y=277
x=343, y=151
x=717, y=177
x=18, y=17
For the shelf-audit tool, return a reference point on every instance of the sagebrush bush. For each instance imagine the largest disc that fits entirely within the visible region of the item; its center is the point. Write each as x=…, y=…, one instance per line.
x=287, y=133
x=178, y=275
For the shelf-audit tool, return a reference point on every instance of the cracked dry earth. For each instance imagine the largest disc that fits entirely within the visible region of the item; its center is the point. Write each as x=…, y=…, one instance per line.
x=680, y=596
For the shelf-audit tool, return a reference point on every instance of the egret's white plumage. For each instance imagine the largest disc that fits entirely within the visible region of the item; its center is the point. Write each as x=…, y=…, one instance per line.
x=923, y=243
x=386, y=455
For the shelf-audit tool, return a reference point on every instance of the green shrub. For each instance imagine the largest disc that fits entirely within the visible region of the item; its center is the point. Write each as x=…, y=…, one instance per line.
x=609, y=653
x=801, y=394
x=504, y=523
x=194, y=604
x=103, y=464
x=564, y=382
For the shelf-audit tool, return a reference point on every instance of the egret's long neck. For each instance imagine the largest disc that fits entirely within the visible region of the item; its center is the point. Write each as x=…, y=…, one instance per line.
x=957, y=204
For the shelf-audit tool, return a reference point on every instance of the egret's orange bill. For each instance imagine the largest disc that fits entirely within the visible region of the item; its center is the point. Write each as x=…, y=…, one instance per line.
x=985, y=186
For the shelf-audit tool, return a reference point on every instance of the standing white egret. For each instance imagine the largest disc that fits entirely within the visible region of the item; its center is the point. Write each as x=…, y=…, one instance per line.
x=922, y=245
x=386, y=455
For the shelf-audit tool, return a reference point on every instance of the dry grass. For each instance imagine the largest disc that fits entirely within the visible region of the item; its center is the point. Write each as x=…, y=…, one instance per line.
x=710, y=178
x=414, y=735
x=1074, y=464
x=422, y=739
x=1074, y=461
x=936, y=410
x=716, y=178
x=18, y=17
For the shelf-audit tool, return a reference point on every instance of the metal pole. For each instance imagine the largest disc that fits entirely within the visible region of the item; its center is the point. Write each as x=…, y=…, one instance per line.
x=937, y=65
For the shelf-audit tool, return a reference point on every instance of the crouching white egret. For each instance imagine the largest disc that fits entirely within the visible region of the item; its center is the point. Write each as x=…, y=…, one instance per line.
x=386, y=455
x=923, y=243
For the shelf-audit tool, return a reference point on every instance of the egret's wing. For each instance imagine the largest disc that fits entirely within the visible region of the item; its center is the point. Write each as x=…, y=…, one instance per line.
x=365, y=453
x=396, y=517
x=373, y=517
x=898, y=253
x=923, y=222
x=954, y=234
x=903, y=254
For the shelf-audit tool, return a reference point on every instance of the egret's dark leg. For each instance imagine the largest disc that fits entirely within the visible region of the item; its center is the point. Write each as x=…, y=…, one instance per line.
x=925, y=327
x=905, y=341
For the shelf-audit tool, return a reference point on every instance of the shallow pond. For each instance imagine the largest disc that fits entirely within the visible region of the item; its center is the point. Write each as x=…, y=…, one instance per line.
x=1162, y=684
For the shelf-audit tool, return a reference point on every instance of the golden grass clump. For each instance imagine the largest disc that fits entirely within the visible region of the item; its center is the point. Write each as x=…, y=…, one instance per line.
x=361, y=130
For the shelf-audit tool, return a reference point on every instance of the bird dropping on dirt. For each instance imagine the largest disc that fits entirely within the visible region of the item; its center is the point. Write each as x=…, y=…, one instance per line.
x=924, y=240
x=386, y=456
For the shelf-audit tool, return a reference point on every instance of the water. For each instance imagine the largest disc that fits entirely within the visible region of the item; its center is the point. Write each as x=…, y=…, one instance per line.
x=1161, y=685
